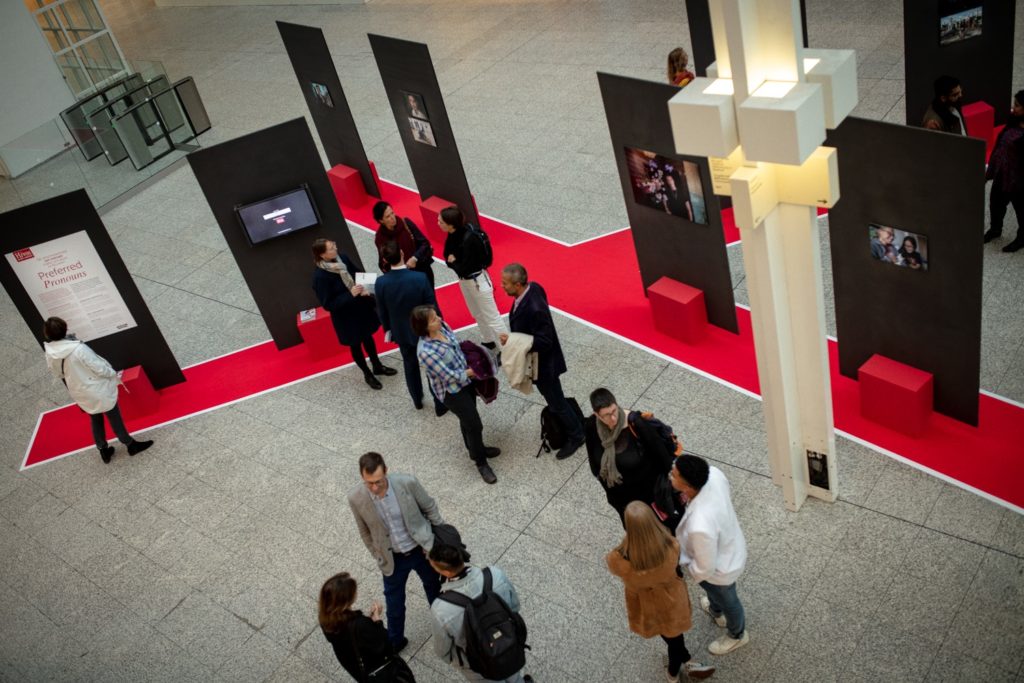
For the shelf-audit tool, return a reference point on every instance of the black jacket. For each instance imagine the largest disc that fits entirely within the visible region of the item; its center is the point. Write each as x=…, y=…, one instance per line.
x=638, y=483
x=468, y=250
x=369, y=637
x=354, y=317
x=533, y=316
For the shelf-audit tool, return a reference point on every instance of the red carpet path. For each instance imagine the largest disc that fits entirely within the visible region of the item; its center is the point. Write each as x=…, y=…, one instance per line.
x=986, y=459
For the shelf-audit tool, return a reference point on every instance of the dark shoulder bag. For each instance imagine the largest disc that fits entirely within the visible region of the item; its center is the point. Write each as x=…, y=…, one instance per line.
x=419, y=239
x=393, y=670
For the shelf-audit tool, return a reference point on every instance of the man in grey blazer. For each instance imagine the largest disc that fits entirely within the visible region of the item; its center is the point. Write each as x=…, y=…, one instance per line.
x=394, y=515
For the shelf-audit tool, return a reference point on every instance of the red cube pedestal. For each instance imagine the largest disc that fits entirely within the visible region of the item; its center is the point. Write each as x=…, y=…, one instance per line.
x=135, y=394
x=318, y=334
x=347, y=185
x=678, y=310
x=895, y=395
x=430, y=209
x=979, y=119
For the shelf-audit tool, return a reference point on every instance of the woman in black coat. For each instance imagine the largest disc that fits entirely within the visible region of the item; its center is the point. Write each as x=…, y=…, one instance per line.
x=352, y=309
x=639, y=469
x=360, y=642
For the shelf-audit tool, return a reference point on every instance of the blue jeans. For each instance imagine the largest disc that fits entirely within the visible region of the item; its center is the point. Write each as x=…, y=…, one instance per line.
x=394, y=589
x=551, y=390
x=725, y=601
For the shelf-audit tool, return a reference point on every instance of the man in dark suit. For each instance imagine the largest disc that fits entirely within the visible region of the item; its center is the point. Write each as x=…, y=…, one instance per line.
x=531, y=315
x=399, y=291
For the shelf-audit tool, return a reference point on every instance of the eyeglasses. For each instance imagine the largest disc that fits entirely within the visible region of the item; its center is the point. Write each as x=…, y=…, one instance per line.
x=375, y=483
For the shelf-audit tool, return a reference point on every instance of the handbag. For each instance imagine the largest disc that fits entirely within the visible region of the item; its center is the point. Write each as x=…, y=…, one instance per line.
x=393, y=670
x=419, y=241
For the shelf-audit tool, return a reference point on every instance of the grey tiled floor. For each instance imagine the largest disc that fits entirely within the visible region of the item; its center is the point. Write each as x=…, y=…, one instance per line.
x=200, y=559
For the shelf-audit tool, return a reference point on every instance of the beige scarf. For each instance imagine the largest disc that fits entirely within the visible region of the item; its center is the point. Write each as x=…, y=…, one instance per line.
x=339, y=269
x=609, y=472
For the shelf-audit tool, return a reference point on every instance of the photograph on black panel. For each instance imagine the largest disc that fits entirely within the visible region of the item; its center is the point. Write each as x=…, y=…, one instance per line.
x=668, y=185
x=414, y=105
x=322, y=94
x=898, y=247
x=422, y=132
x=959, y=20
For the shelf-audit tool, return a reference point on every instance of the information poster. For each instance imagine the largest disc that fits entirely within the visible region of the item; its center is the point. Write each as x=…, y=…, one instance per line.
x=65, y=278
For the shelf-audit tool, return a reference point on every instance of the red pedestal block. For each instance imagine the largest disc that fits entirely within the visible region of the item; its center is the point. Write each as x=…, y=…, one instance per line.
x=895, y=395
x=347, y=185
x=979, y=119
x=318, y=334
x=430, y=209
x=678, y=310
x=135, y=395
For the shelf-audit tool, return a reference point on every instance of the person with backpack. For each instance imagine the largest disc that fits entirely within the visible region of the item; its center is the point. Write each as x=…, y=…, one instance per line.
x=657, y=603
x=360, y=641
x=467, y=251
x=477, y=626
x=630, y=454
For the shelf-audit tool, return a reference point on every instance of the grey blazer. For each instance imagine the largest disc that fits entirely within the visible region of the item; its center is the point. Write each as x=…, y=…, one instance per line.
x=419, y=510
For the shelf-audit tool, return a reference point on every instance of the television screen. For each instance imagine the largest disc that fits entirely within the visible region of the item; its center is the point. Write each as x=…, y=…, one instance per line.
x=269, y=218
x=666, y=184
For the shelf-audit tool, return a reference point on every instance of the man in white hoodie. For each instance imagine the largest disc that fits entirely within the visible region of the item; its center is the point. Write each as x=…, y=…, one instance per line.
x=92, y=383
x=711, y=546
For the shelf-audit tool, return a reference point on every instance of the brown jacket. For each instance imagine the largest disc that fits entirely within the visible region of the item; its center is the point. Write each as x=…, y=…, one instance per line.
x=656, y=599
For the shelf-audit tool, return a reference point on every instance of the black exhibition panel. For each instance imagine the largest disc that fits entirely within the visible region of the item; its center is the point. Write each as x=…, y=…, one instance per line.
x=66, y=215
x=307, y=49
x=405, y=68
x=698, y=17
x=667, y=245
x=982, y=60
x=931, y=184
x=259, y=166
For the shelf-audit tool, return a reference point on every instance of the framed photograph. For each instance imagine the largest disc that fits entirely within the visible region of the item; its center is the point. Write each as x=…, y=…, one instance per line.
x=669, y=185
x=422, y=132
x=898, y=247
x=322, y=94
x=959, y=20
x=414, y=106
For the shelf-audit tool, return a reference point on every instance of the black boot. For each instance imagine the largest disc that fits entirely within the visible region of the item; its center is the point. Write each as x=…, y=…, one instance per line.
x=381, y=369
x=1015, y=245
x=372, y=381
x=992, y=234
x=106, y=453
x=138, y=446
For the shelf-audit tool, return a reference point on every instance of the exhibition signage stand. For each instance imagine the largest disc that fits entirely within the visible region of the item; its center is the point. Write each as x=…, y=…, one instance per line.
x=763, y=119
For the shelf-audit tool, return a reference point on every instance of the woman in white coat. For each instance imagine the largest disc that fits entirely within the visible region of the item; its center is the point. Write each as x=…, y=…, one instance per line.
x=92, y=383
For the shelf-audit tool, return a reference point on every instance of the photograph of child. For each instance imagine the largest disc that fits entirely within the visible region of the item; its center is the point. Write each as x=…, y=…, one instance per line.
x=898, y=247
x=422, y=132
x=414, y=105
x=322, y=94
x=667, y=185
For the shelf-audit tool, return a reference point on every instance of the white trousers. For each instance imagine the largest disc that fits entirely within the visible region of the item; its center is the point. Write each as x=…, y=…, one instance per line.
x=479, y=296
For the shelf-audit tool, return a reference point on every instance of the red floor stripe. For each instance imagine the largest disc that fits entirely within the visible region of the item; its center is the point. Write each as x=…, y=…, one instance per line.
x=597, y=281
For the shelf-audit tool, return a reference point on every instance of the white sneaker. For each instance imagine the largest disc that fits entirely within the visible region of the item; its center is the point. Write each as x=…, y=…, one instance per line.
x=695, y=669
x=705, y=604
x=727, y=644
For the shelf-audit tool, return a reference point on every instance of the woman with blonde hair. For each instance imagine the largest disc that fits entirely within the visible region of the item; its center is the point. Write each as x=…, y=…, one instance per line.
x=360, y=642
x=657, y=603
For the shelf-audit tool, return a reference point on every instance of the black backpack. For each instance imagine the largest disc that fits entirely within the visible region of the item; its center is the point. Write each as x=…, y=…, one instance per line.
x=495, y=635
x=485, y=241
x=553, y=433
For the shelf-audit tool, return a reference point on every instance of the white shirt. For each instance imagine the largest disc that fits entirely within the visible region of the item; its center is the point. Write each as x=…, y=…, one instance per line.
x=711, y=543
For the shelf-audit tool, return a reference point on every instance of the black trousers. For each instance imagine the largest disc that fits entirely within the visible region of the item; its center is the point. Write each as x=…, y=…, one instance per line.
x=99, y=433
x=463, y=404
x=359, y=357
x=997, y=203
x=411, y=365
x=677, y=653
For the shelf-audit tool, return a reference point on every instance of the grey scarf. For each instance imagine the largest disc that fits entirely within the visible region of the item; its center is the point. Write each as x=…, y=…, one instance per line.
x=339, y=269
x=609, y=472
